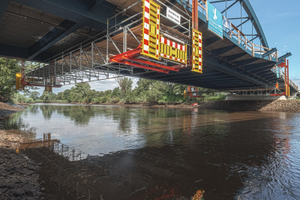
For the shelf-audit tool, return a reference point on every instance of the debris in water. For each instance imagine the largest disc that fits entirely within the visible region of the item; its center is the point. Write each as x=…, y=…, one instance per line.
x=199, y=195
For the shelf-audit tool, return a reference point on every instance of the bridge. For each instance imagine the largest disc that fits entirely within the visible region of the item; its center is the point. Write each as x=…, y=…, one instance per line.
x=217, y=44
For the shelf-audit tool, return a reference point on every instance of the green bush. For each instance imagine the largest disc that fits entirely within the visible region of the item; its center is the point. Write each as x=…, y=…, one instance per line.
x=95, y=100
x=39, y=101
x=103, y=99
x=116, y=100
x=28, y=100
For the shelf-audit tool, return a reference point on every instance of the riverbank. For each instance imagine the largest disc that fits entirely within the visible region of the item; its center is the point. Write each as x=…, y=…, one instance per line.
x=18, y=179
x=232, y=105
x=9, y=108
x=262, y=106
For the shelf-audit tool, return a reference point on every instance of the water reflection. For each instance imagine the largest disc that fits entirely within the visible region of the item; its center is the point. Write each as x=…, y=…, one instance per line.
x=139, y=153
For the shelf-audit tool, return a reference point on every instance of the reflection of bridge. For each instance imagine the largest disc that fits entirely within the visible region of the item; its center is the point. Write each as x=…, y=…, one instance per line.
x=55, y=146
x=87, y=38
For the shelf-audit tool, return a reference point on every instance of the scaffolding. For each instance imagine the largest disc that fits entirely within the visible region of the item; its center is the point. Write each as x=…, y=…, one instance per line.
x=157, y=35
x=117, y=51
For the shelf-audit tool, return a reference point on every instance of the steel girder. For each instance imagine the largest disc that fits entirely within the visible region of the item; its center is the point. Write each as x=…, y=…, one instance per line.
x=251, y=16
x=81, y=13
x=254, y=19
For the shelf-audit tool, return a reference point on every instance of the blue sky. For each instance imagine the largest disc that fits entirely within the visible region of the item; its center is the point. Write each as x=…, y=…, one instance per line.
x=281, y=25
x=280, y=21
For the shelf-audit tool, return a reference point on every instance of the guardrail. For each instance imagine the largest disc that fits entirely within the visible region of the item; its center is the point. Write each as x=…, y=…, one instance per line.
x=240, y=36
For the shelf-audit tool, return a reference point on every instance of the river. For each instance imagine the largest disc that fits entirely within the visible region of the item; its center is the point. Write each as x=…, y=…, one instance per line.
x=117, y=152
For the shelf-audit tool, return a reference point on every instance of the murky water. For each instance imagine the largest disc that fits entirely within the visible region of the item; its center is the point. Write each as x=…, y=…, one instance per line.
x=115, y=152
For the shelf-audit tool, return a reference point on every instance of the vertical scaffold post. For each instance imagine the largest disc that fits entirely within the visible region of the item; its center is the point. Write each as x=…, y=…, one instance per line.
x=195, y=15
x=288, y=79
x=285, y=77
x=23, y=72
x=124, y=39
x=107, y=27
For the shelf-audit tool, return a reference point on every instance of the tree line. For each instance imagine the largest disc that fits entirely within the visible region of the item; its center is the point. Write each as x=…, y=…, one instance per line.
x=150, y=91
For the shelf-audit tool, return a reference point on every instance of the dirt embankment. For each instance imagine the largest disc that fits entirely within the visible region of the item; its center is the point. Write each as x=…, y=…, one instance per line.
x=263, y=106
x=18, y=179
x=7, y=109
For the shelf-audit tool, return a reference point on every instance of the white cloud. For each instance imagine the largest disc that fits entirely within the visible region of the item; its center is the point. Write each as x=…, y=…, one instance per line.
x=297, y=82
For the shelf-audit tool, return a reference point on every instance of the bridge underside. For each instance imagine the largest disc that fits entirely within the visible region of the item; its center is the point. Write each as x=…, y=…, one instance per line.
x=42, y=30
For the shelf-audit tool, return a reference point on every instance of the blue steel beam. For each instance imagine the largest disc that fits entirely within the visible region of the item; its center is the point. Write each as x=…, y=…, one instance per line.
x=246, y=62
x=269, y=52
x=281, y=58
x=52, y=37
x=74, y=10
x=94, y=4
x=250, y=11
x=258, y=67
x=252, y=16
x=77, y=13
x=210, y=41
x=233, y=72
x=220, y=51
x=243, y=22
x=221, y=1
x=235, y=56
x=230, y=6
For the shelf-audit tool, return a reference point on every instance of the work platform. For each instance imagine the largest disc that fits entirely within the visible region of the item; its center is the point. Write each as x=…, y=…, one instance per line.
x=234, y=61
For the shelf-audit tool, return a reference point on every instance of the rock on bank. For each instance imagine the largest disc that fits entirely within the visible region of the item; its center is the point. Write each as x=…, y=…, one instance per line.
x=261, y=105
x=18, y=178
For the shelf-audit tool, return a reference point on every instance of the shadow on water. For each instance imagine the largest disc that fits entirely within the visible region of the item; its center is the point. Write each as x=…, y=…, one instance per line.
x=226, y=154
x=149, y=173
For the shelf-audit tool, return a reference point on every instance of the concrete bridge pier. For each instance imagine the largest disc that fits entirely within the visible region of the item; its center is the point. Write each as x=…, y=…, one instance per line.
x=235, y=97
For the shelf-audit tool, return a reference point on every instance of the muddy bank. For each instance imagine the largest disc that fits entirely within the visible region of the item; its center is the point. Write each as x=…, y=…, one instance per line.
x=18, y=178
x=263, y=106
x=9, y=108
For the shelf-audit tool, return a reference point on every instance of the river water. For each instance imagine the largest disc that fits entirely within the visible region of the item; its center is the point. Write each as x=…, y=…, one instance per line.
x=117, y=152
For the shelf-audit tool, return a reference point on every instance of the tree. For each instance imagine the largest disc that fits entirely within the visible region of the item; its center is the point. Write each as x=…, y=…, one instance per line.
x=47, y=96
x=34, y=95
x=8, y=70
x=125, y=85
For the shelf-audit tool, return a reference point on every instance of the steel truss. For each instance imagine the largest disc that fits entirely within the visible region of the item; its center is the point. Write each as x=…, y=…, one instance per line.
x=254, y=39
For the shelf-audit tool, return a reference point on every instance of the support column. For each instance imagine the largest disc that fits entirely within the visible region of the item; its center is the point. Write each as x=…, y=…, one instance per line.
x=23, y=72
x=195, y=15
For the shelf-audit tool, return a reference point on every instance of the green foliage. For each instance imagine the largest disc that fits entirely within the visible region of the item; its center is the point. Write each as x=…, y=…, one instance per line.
x=48, y=96
x=150, y=91
x=8, y=70
x=125, y=85
x=19, y=98
x=34, y=95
